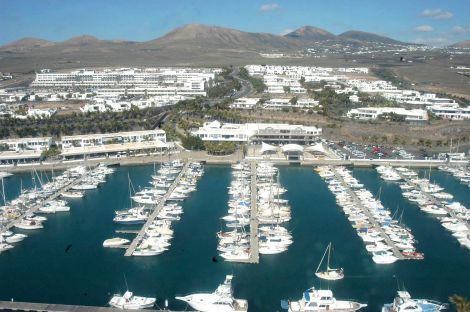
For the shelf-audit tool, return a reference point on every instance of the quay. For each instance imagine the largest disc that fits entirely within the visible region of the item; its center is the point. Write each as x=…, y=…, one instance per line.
x=155, y=212
x=254, y=241
x=48, y=307
x=228, y=159
x=358, y=203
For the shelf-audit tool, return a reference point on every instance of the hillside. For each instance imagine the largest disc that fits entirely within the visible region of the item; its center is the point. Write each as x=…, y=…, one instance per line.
x=462, y=44
x=310, y=33
x=361, y=36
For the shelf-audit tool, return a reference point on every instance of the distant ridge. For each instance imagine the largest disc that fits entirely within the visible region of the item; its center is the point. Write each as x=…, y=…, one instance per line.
x=462, y=44
x=28, y=43
x=310, y=33
x=361, y=36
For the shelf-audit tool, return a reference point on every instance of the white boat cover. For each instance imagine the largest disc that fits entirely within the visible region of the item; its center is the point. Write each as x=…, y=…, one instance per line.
x=317, y=148
x=267, y=148
x=289, y=148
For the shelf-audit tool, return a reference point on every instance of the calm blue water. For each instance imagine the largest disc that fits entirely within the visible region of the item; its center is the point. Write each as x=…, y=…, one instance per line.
x=39, y=269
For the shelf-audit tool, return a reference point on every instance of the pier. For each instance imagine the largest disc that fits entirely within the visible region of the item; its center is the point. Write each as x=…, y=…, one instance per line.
x=254, y=242
x=434, y=200
x=49, y=307
x=155, y=212
x=358, y=203
x=36, y=207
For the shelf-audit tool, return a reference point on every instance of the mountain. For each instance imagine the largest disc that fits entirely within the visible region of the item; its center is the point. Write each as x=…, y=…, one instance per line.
x=361, y=36
x=213, y=37
x=310, y=33
x=27, y=44
x=462, y=44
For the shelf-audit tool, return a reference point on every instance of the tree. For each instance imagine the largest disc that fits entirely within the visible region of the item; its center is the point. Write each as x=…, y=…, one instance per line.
x=294, y=100
x=286, y=89
x=460, y=303
x=192, y=142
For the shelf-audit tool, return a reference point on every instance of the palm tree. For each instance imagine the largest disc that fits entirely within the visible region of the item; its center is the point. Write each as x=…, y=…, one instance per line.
x=460, y=303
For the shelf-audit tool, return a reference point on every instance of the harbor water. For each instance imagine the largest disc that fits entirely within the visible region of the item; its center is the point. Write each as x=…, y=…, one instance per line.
x=66, y=263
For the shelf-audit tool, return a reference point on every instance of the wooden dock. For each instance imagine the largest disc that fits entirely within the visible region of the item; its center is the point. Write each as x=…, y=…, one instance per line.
x=155, y=213
x=49, y=307
x=254, y=240
x=358, y=203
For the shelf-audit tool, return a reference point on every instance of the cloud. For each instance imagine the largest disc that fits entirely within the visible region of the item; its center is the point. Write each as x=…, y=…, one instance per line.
x=286, y=31
x=461, y=30
x=424, y=28
x=437, y=14
x=269, y=7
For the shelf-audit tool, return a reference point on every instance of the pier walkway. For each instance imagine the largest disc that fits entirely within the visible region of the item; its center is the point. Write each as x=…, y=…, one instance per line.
x=48, y=307
x=254, y=241
x=155, y=212
x=358, y=203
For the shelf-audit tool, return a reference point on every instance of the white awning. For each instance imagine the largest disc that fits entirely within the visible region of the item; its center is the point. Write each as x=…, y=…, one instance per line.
x=317, y=148
x=267, y=148
x=289, y=148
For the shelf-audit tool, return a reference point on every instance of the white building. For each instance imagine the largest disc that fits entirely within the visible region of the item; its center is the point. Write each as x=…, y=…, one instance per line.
x=450, y=112
x=257, y=133
x=369, y=113
x=132, y=81
x=244, y=103
x=113, y=138
x=32, y=144
x=289, y=103
x=41, y=113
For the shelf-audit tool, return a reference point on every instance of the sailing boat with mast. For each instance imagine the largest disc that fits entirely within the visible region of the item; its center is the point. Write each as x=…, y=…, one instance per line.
x=330, y=273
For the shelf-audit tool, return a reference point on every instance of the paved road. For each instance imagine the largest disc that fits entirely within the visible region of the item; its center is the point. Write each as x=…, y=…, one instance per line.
x=247, y=88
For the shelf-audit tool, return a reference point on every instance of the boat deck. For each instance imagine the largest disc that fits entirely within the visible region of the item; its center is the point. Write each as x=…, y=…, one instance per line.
x=358, y=203
x=254, y=242
x=48, y=307
x=130, y=250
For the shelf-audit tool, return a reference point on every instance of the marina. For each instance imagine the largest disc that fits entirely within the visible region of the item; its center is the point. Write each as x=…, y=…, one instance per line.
x=315, y=222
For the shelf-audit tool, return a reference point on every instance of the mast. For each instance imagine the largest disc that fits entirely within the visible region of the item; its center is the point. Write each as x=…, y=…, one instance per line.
x=3, y=193
x=321, y=261
x=328, y=263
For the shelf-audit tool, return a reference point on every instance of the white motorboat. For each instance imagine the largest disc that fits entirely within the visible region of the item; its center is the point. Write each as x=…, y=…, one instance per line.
x=329, y=274
x=4, y=174
x=73, y=194
x=219, y=301
x=14, y=238
x=115, y=241
x=320, y=300
x=28, y=224
x=130, y=302
x=404, y=303
x=5, y=247
x=384, y=257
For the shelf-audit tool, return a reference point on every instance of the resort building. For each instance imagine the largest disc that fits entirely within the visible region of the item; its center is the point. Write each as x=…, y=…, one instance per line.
x=244, y=103
x=453, y=112
x=27, y=144
x=290, y=103
x=257, y=133
x=131, y=81
x=113, y=138
x=370, y=113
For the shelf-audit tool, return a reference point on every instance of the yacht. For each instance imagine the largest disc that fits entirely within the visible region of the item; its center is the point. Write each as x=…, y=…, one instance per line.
x=115, y=241
x=320, y=300
x=4, y=174
x=76, y=194
x=404, y=303
x=329, y=274
x=130, y=302
x=219, y=301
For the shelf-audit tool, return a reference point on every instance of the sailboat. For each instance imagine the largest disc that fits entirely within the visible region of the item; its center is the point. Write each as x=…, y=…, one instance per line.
x=330, y=274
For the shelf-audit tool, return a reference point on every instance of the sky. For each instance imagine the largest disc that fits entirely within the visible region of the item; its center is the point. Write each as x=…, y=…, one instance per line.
x=432, y=22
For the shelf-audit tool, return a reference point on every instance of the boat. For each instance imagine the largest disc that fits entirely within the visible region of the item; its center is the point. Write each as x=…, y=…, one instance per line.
x=404, y=303
x=130, y=302
x=4, y=174
x=5, y=247
x=320, y=300
x=330, y=274
x=115, y=241
x=75, y=194
x=219, y=301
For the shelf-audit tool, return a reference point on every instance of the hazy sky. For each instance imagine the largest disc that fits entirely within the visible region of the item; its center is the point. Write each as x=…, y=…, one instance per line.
x=424, y=21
